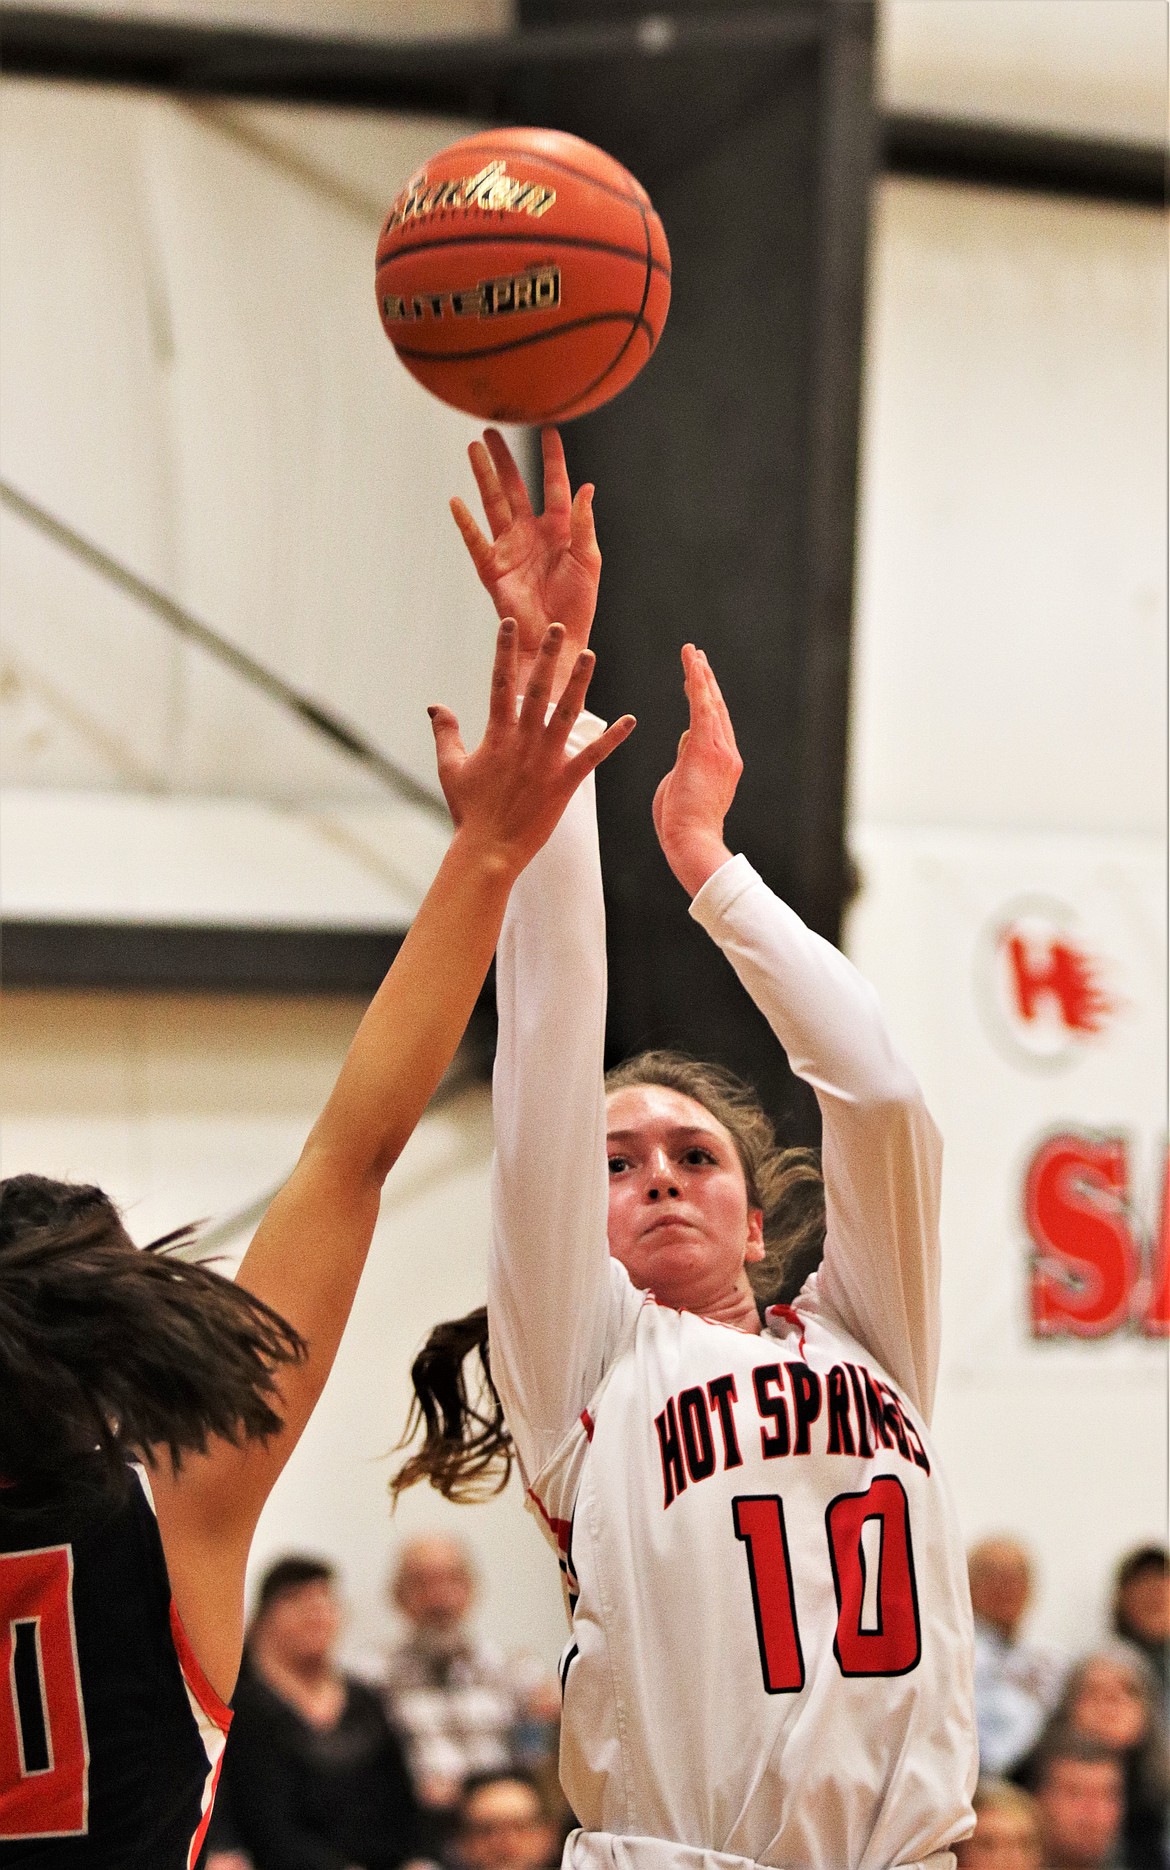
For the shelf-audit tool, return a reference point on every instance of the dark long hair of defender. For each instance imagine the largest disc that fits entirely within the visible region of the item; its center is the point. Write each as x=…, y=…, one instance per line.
x=466, y=1450
x=106, y=1345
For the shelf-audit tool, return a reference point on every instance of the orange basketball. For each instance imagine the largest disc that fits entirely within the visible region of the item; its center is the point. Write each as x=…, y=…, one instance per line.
x=523, y=276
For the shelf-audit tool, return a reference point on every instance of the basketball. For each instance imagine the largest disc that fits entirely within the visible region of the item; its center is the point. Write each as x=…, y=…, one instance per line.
x=523, y=276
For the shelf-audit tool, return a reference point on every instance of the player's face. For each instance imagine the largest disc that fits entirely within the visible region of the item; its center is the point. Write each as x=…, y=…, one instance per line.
x=679, y=1219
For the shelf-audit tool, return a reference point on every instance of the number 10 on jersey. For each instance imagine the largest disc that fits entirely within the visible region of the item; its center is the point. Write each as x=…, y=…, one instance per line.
x=872, y=1560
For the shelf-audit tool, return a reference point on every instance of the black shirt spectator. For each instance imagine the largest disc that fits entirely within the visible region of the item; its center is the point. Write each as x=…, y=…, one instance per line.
x=314, y=1777
x=307, y=1798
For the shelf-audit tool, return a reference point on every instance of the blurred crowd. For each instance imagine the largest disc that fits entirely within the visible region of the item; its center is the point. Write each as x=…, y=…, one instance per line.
x=444, y=1753
x=1074, y=1757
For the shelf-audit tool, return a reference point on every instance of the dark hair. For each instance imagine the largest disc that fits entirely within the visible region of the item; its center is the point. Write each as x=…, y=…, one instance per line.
x=108, y=1346
x=290, y=1574
x=466, y=1451
x=1064, y=1743
x=1144, y=1558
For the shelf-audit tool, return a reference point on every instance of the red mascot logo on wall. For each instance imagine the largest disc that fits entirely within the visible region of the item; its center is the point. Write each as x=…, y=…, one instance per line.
x=1091, y=1273
x=1042, y=986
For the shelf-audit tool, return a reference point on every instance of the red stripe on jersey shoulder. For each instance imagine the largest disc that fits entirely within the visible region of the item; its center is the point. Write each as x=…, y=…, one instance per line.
x=560, y=1528
x=587, y=1423
x=215, y=1709
x=790, y=1316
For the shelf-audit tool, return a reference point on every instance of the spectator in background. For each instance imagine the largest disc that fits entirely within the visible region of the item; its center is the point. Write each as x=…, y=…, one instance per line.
x=313, y=1776
x=1007, y=1830
x=501, y=1824
x=1141, y=1610
x=1111, y=1698
x=460, y=1704
x=1078, y=1787
x=1016, y=1684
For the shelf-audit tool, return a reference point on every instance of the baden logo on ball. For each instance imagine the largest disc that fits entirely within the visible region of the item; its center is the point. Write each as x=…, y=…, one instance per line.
x=523, y=276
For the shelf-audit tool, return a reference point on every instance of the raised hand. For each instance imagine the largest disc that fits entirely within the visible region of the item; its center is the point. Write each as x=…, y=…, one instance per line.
x=695, y=796
x=509, y=793
x=538, y=568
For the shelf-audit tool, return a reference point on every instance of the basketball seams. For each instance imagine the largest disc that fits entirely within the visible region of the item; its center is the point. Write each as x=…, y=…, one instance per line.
x=566, y=411
x=525, y=239
x=518, y=152
x=537, y=337
x=640, y=322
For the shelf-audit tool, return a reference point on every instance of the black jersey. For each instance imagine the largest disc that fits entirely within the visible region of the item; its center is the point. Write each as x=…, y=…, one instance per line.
x=110, y=1735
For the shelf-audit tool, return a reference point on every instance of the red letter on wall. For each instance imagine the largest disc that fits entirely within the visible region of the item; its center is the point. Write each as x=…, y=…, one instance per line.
x=1086, y=1264
x=1156, y=1322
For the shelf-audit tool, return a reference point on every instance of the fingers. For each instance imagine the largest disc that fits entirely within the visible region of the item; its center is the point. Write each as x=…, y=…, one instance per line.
x=502, y=703
x=537, y=694
x=472, y=537
x=557, y=498
x=724, y=731
x=698, y=694
x=709, y=712
x=582, y=532
x=496, y=504
x=573, y=695
x=600, y=749
x=449, y=748
x=509, y=477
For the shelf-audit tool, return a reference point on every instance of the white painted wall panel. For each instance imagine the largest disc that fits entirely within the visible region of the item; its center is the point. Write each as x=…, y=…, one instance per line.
x=1087, y=67
x=1010, y=662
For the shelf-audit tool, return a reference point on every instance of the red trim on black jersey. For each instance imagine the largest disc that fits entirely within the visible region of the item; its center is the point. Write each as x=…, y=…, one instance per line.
x=215, y=1709
x=198, y=1840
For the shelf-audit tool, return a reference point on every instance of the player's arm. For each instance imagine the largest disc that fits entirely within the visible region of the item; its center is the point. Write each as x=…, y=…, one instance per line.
x=549, y=1286
x=881, y=1152
x=308, y=1254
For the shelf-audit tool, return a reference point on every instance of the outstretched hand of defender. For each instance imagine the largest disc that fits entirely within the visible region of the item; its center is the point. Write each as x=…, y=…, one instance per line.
x=538, y=568
x=509, y=794
x=693, y=800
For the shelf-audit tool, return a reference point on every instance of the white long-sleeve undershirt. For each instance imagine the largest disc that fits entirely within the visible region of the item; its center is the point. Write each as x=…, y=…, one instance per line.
x=558, y=1305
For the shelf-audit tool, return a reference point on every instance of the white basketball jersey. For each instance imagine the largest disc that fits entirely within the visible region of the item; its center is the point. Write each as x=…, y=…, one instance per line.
x=770, y=1651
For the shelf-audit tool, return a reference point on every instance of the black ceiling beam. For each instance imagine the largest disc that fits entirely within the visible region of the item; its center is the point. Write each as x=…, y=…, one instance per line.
x=460, y=74
x=477, y=76
x=989, y=155
x=149, y=957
